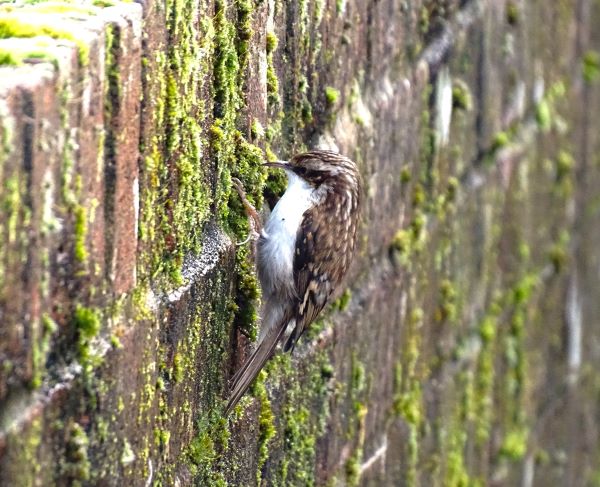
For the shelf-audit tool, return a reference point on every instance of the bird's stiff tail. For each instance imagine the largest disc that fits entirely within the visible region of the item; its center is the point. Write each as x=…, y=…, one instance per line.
x=243, y=378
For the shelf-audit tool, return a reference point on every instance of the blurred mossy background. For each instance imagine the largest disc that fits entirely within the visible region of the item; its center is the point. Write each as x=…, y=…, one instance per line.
x=463, y=348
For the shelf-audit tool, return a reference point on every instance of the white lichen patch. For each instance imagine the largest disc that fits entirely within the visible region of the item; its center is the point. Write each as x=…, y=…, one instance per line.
x=443, y=105
x=327, y=142
x=574, y=320
x=7, y=125
x=215, y=242
x=50, y=223
x=362, y=114
x=387, y=90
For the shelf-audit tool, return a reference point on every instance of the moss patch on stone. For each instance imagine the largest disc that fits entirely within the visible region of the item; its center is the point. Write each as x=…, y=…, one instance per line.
x=591, y=66
x=24, y=23
x=332, y=95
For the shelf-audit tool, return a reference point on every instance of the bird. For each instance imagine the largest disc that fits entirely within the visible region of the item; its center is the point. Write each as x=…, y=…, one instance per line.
x=302, y=253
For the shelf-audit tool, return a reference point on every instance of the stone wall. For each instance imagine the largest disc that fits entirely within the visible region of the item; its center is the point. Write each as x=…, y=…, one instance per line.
x=464, y=347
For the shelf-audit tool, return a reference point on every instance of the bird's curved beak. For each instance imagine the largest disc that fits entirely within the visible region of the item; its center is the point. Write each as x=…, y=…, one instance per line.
x=279, y=164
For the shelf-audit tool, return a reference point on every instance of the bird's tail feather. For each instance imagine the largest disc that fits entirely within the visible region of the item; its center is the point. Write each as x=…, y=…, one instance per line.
x=243, y=378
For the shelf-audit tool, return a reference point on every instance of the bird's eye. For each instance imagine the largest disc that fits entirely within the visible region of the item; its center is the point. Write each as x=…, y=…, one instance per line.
x=300, y=171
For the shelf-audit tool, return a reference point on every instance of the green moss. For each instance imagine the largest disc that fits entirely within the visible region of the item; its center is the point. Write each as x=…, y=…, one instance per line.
x=318, y=13
x=178, y=369
x=559, y=252
x=428, y=146
x=266, y=425
x=24, y=461
x=446, y=310
x=352, y=466
x=418, y=195
x=177, y=195
x=65, y=7
x=272, y=43
x=408, y=406
x=341, y=303
x=405, y=175
x=408, y=403
x=357, y=383
x=456, y=474
x=76, y=466
x=487, y=330
x=11, y=206
x=306, y=112
x=80, y=230
x=546, y=112
x=521, y=292
x=402, y=244
x=300, y=452
x=272, y=81
x=565, y=163
x=207, y=336
x=417, y=227
x=87, y=324
x=500, y=140
x=353, y=470
x=514, y=446
x=161, y=437
x=512, y=13
x=41, y=348
x=7, y=58
x=332, y=95
x=244, y=32
x=86, y=321
x=115, y=342
x=9, y=198
x=21, y=24
x=514, y=386
x=303, y=419
x=205, y=449
x=201, y=450
x=257, y=131
x=543, y=115
x=461, y=96
x=452, y=189
x=248, y=169
x=557, y=91
x=424, y=19
x=484, y=379
x=591, y=66
x=127, y=455
x=226, y=65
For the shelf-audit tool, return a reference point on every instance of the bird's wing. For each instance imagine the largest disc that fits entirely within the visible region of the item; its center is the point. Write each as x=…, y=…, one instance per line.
x=313, y=258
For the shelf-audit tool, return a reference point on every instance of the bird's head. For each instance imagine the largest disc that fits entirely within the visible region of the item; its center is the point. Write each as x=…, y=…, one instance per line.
x=320, y=167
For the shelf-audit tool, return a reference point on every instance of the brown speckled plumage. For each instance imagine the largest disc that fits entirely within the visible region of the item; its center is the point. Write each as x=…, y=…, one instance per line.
x=326, y=238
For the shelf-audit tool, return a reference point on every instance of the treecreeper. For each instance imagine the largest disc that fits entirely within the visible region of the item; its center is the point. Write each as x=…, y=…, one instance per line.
x=302, y=253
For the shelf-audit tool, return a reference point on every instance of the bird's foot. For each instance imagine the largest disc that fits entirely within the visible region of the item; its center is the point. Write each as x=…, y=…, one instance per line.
x=252, y=237
x=253, y=216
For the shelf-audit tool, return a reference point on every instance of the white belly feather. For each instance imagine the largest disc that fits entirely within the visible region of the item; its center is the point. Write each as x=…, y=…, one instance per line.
x=278, y=240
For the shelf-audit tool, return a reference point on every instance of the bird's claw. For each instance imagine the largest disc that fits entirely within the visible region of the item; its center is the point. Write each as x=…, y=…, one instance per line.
x=255, y=223
x=253, y=236
x=237, y=184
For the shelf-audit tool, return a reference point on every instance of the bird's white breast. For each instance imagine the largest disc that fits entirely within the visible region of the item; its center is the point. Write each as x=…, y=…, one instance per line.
x=279, y=234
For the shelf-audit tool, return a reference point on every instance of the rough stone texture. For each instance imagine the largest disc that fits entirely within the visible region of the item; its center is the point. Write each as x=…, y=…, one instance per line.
x=464, y=350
